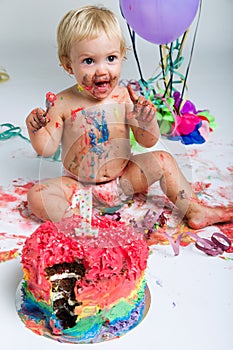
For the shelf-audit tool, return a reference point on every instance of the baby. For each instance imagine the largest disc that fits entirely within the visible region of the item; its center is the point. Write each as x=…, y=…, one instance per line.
x=92, y=121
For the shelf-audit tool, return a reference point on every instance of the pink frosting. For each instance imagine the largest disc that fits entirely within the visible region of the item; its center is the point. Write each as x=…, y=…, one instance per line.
x=118, y=254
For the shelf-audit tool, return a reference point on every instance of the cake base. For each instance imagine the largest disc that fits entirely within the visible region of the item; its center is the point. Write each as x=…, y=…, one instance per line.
x=36, y=324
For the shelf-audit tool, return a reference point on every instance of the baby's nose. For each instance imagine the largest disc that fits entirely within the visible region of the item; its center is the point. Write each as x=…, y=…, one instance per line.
x=101, y=69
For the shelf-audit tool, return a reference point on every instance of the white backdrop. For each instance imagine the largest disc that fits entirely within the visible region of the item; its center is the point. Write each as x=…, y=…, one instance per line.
x=192, y=293
x=28, y=52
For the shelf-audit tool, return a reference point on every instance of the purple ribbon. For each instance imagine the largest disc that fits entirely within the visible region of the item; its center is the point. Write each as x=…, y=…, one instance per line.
x=217, y=244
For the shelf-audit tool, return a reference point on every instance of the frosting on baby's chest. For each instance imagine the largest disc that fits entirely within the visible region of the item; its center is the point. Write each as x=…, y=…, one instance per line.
x=94, y=125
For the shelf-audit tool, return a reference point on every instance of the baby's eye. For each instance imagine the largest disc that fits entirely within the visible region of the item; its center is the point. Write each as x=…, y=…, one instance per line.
x=88, y=60
x=111, y=58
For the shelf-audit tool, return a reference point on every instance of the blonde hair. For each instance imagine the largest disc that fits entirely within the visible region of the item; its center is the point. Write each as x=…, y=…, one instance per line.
x=87, y=23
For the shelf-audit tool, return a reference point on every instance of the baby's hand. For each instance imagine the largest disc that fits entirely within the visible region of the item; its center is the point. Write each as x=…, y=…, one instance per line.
x=37, y=119
x=143, y=109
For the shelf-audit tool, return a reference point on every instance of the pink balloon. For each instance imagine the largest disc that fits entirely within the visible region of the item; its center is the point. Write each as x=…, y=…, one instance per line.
x=159, y=21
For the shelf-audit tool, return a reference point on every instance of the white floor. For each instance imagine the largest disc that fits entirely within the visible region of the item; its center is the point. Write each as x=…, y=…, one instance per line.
x=192, y=304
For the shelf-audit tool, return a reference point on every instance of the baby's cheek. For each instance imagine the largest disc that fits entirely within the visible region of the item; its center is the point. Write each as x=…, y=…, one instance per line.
x=87, y=80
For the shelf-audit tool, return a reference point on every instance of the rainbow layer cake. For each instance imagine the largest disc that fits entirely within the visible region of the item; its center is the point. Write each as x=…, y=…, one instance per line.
x=83, y=288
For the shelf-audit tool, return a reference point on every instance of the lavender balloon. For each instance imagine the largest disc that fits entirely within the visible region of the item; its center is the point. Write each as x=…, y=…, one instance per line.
x=159, y=21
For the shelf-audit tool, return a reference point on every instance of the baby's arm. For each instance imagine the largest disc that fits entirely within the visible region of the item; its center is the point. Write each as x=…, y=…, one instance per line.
x=142, y=120
x=45, y=129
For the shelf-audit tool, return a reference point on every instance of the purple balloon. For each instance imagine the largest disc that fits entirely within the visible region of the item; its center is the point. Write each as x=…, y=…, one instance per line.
x=159, y=21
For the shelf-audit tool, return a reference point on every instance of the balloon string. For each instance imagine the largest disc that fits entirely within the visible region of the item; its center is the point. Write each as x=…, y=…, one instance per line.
x=171, y=70
x=171, y=67
x=168, y=65
x=132, y=36
x=162, y=65
x=182, y=43
x=191, y=55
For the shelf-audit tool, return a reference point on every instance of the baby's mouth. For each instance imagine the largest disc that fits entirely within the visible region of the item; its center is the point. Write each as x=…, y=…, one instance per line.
x=102, y=85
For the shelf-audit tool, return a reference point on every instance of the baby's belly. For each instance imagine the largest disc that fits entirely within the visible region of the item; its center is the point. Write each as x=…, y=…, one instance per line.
x=100, y=163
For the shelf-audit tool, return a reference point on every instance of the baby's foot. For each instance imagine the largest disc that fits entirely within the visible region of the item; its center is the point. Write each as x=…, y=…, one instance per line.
x=205, y=216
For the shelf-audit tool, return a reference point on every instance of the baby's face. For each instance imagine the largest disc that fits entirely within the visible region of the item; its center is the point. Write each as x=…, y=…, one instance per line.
x=96, y=65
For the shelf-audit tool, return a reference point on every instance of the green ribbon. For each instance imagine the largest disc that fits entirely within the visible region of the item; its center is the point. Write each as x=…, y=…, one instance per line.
x=13, y=131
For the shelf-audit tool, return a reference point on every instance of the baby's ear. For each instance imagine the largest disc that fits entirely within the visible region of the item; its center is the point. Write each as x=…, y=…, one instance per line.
x=65, y=63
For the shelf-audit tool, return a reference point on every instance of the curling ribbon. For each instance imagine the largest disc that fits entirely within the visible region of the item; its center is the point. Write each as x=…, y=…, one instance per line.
x=12, y=131
x=217, y=244
x=3, y=75
x=213, y=246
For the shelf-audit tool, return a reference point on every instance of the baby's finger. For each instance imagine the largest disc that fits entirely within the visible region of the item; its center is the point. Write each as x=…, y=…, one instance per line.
x=133, y=96
x=39, y=119
x=146, y=113
x=131, y=115
x=151, y=115
x=43, y=119
x=34, y=125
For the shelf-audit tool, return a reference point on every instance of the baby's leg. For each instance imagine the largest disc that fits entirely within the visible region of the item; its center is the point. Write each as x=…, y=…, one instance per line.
x=50, y=200
x=147, y=168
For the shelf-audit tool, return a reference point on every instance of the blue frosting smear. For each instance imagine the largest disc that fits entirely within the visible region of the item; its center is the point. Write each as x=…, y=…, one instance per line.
x=40, y=318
